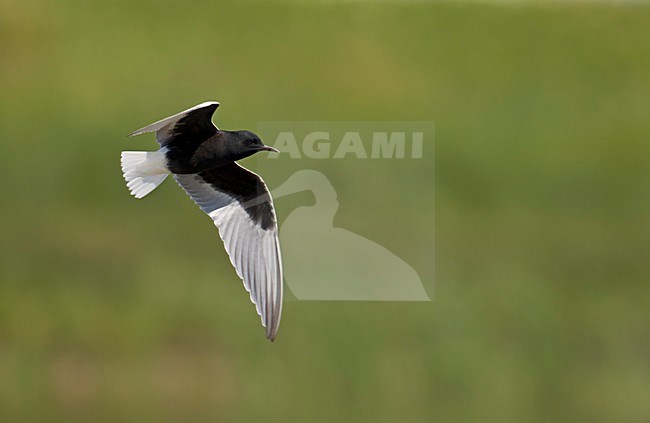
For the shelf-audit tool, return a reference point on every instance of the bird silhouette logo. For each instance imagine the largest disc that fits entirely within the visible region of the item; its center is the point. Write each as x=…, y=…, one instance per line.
x=323, y=262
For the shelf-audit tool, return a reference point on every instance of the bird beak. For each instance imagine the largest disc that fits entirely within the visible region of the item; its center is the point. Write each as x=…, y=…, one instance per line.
x=269, y=148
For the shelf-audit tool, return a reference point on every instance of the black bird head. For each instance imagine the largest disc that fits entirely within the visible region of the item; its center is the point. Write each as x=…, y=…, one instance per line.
x=246, y=143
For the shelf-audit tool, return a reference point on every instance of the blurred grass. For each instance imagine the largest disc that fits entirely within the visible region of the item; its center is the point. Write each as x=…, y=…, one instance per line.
x=542, y=193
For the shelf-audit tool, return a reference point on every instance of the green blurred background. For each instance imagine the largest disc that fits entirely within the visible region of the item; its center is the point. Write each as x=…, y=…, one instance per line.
x=542, y=303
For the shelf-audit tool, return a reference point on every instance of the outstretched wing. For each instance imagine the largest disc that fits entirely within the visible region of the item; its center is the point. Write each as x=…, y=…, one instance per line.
x=189, y=127
x=241, y=207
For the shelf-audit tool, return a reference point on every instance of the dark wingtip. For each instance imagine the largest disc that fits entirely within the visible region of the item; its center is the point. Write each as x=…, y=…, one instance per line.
x=271, y=334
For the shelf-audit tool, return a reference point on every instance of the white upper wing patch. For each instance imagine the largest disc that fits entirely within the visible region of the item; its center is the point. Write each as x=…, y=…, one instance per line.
x=253, y=251
x=164, y=126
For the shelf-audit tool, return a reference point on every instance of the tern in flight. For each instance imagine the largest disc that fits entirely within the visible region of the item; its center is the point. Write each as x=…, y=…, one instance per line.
x=202, y=160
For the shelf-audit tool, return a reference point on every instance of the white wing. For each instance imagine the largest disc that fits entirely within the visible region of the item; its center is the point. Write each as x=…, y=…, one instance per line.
x=254, y=251
x=198, y=118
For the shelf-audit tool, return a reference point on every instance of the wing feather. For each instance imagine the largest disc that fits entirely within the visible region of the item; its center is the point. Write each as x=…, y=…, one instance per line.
x=250, y=241
x=191, y=125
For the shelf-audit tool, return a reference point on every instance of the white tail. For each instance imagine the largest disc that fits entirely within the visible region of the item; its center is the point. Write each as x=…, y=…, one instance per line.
x=143, y=170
